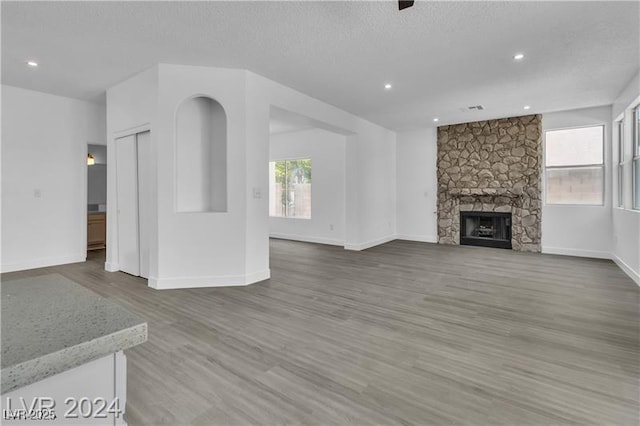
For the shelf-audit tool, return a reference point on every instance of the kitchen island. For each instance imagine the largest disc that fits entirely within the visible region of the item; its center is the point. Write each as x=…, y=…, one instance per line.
x=62, y=353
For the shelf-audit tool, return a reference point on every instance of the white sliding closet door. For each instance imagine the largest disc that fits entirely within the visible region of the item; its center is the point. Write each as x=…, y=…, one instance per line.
x=127, y=199
x=144, y=202
x=134, y=204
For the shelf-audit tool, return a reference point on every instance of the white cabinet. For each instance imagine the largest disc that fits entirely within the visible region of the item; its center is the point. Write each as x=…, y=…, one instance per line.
x=90, y=394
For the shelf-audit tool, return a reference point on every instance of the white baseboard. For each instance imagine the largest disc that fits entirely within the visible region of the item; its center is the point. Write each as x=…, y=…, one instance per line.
x=210, y=281
x=111, y=267
x=597, y=255
x=577, y=252
x=43, y=262
x=256, y=277
x=418, y=238
x=635, y=276
x=369, y=244
x=307, y=239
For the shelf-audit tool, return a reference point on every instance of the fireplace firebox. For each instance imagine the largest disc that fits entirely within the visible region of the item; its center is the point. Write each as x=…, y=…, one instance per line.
x=488, y=229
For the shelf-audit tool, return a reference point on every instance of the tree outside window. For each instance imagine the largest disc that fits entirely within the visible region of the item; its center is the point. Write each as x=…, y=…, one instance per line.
x=290, y=188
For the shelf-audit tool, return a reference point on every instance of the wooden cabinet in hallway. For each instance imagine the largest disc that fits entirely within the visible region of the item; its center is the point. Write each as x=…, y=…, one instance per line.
x=96, y=231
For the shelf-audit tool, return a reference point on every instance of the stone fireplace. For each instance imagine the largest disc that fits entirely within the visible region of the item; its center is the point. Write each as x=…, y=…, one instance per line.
x=491, y=166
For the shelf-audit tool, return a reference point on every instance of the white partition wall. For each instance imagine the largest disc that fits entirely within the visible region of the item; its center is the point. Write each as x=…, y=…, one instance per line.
x=131, y=109
x=207, y=209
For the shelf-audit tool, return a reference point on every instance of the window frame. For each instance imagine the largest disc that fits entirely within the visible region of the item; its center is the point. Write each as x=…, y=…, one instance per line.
x=286, y=160
x=635, y=160
x=602, y=165
x=620, y=163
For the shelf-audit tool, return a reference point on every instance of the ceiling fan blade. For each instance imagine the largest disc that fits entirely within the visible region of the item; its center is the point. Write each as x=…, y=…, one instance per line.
x=403, y=4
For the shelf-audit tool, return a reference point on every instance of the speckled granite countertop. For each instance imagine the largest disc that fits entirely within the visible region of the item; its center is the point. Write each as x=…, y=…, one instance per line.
x=51, y=324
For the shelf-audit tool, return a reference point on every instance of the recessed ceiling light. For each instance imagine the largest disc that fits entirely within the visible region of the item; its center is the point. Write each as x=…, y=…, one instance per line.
x=518, y=56
x=527, y=107
x=32, y=63
x=435, y=120
x=387, y=86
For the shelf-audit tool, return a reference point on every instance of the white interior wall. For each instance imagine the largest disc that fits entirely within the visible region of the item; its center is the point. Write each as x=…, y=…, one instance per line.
x=417, y=185
x=563, y=226
x=201, y=249
x=574, y=229
x=376, y=188
x=370, y=216
x=44, y=169
x=235, y=246
x=327, y=153
x=232, y=248
x=66, y=125
x=626, y=241
x=131, y=108
x=256, y=183
x=625, y=244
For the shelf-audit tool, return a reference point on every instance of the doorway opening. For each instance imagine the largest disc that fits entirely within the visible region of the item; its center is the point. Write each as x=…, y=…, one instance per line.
x=96, y=197
x=307, y=179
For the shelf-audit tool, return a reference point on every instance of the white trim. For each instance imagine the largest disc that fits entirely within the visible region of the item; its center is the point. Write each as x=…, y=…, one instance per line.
x=289, y=218
x=620, y=116
x=84, y=200
x=256, y=277
x=577, y=252
x=111, y=266
x=307, y=239
x=210, y=281
x=419, y=238
x=43, y=262
x=369, y=244
x=146, y=127
x=120, y=385
x=635, y=276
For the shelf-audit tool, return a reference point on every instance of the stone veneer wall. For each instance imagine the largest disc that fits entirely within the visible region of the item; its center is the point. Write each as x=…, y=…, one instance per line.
x=491, y=165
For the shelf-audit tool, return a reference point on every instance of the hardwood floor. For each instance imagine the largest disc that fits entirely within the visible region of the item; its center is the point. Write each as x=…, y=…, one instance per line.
x=404, y=333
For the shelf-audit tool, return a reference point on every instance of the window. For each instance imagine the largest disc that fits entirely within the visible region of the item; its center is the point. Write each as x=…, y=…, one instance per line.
x=290, y=188
x=636, y=158
x=620, y=163
x=574, y=160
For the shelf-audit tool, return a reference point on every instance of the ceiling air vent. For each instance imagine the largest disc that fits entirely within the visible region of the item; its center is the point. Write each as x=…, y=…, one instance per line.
x=475, y=108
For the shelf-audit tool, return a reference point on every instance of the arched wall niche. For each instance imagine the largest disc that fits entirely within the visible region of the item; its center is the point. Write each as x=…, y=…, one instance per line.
x=201, y=156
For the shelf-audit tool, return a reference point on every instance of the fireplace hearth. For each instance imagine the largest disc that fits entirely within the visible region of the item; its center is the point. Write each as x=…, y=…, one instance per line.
x=487, y=229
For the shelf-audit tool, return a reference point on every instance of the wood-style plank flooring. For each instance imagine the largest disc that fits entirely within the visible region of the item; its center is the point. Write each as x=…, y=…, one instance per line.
x=403, y=333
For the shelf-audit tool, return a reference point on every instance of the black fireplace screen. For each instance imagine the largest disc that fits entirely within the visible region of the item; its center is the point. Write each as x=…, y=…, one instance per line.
x=487, y=229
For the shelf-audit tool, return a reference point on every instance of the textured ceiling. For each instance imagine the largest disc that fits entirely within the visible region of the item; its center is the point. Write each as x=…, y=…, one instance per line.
x=439, y=56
